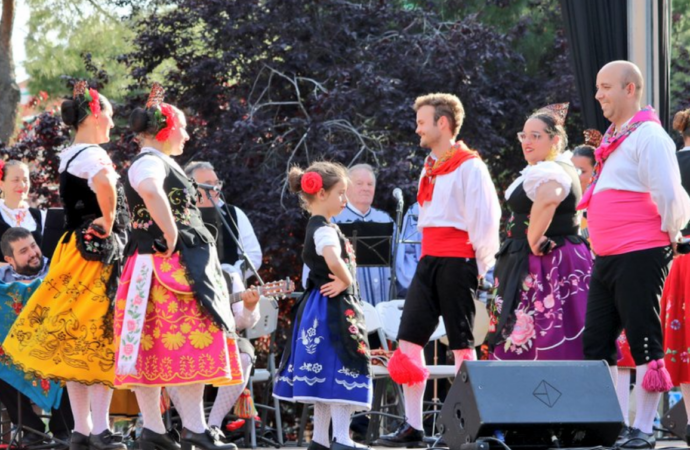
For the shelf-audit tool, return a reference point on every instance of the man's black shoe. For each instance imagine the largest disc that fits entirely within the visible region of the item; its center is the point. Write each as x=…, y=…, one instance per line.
x=637, y=439
x=404, y=436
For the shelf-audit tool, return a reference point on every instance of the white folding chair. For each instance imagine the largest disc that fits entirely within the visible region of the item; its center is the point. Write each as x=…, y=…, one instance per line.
x=266, y=326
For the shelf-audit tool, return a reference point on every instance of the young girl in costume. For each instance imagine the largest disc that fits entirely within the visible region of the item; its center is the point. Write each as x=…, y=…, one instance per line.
x=172, y=304
x=65, y=330
x=327, y=362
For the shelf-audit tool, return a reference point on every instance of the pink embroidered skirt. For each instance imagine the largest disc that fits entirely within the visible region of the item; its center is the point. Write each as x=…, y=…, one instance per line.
x=179, y=343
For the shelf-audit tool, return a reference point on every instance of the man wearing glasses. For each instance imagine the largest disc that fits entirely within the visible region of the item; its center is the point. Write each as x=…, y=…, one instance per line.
x=231, y=260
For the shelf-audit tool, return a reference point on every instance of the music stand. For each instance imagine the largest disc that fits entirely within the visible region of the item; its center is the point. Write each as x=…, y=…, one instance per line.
x=371, y=242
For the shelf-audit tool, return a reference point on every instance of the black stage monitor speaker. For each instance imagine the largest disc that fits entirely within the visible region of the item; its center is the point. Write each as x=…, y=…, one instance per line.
x=532, y=404
x=676, y=420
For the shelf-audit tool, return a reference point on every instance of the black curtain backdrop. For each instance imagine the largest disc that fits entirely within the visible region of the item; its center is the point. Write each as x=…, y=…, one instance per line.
x=597, y=32
x=665, y=64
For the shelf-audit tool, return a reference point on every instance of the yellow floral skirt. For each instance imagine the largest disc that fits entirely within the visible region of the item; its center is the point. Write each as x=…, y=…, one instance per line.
x=177, y=342
x=65, y=331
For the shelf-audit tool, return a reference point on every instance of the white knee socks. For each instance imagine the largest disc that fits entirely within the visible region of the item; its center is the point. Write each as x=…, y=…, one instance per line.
x=647, y=403
x=414, y=394
x=189, y=401
x=80, y=403
x=101, y=395
x=149, y=399
x=322, y=423
x=623, y=393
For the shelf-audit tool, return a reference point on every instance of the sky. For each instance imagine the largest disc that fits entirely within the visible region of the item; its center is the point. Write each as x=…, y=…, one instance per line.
x=19, y=33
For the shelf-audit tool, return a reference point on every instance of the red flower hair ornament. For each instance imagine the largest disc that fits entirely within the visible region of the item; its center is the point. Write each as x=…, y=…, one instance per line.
x=2, y=168
x=311, y=182
x=166, y=115
x=90, y=95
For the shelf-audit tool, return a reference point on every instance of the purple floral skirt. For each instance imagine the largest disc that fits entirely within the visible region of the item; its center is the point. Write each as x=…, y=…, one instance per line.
x=549, y=318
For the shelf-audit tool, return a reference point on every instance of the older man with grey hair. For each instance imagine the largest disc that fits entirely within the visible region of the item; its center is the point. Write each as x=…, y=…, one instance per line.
x=374, y=282
x=231, y=259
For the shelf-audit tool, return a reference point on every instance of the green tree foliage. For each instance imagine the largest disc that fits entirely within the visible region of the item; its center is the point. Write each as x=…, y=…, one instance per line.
x=63, y=32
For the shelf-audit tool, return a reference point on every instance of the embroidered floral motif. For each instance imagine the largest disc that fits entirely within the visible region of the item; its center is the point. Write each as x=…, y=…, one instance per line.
x=141, y=219
x=355, y=332
x=180, y=202
x=349, y=372
x=309, y=367
x=131, y=334
x=309, y=338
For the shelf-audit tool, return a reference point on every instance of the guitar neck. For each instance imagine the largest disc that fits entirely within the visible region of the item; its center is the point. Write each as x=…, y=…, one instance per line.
x=236, y=297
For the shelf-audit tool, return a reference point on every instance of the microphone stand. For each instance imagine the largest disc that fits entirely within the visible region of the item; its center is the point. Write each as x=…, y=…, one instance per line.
x=393, y=292
x=240, y=247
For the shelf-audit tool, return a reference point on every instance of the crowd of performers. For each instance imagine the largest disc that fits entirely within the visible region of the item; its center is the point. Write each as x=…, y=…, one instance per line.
x=135, y=294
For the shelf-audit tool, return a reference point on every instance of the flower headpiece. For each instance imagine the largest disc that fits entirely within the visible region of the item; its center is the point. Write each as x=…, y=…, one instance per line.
x=90, y=95
x=559, y=111
x=311, y=182
x=2, y=168
x=163, y=114
x=592, y=137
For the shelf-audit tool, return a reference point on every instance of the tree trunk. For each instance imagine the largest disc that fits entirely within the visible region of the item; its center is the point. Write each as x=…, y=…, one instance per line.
x=9, y=90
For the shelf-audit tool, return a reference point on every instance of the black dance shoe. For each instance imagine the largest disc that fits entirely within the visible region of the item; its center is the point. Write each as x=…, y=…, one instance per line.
x=78, y=441
x=203, y=441
x=404, y=436
x=106, y=440
x=335, y=445
x=150, y=440
x=217, y=433
x=313, y=445
x=636, y=438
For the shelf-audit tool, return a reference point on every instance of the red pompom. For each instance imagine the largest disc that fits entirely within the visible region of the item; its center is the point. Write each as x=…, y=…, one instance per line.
x=311, y=182
x=657, y=378
x=405, y=371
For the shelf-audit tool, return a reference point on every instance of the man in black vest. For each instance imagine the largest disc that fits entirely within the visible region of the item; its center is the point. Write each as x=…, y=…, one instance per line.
x=231, y=256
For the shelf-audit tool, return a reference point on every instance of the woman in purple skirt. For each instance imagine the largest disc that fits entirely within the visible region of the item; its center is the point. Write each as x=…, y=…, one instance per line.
x=543, y=268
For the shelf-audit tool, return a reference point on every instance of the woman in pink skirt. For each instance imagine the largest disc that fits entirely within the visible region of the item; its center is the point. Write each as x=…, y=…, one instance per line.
x=172, y=309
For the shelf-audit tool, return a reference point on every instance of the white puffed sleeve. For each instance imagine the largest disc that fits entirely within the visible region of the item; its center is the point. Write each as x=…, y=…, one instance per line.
x=324, y=237
x=145, y=168
x=544, y=172
x=88, y=163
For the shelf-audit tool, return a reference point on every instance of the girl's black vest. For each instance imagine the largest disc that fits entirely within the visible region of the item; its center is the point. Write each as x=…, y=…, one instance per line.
x=37, y=233
x=344, y=310
x=195, y=243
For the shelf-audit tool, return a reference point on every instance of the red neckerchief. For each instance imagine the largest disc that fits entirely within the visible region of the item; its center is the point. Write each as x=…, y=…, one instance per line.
x=451, y=160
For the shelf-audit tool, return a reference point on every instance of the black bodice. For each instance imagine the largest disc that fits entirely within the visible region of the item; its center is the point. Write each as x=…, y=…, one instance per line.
x=182, y=197
x=318, y=268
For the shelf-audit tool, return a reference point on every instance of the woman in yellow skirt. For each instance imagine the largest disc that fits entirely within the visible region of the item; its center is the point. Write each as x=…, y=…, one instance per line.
x=173, y=305
x=65, y=330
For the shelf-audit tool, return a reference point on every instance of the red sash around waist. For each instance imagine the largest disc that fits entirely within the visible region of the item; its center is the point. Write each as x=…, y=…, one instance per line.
x=446, y=242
